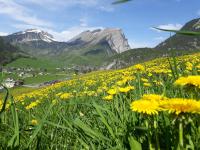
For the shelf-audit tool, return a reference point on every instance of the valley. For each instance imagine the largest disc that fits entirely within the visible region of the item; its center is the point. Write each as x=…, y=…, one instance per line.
x=100, y=49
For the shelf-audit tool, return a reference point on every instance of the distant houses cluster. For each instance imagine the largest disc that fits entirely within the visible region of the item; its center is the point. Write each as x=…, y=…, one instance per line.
x=15, y=75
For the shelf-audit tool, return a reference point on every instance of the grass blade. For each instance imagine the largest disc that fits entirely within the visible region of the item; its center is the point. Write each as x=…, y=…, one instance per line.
x=14, y=142
x=104, y=120
x=120, y=2
x=5, y=100
x=90, y=132
x=134, y=145
x=39, y=127
x=189, y=33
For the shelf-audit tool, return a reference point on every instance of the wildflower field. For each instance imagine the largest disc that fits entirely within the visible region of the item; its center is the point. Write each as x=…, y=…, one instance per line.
x=153, y=105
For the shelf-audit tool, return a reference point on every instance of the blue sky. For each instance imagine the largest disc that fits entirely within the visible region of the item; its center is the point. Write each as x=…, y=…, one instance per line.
x=66, y=18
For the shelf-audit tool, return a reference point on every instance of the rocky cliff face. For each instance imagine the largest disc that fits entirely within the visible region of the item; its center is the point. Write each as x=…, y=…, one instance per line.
x=114, y=37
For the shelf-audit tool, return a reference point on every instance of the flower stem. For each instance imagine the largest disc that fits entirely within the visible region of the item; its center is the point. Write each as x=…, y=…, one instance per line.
x=181, y=135
x=139, y=83
x=156, y=132
x=148, y=135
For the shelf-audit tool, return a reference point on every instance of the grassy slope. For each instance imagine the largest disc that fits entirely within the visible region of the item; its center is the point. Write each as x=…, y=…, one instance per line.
x=44, y=78
x=82, y=57
x=145, y=54
x=34, y=62
x=94, y=55
x=85, y=121
x=18, y=91
x=8, y=52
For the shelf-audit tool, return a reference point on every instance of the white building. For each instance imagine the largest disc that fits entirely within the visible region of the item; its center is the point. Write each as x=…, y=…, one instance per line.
x=9, y=83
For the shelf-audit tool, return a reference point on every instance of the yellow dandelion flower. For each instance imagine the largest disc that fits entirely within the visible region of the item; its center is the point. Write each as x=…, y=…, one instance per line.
x=66, y=96
x=147, y=84
x=58, y=94
x=109, y=97
x=153, y=97
x=120, y=83
x=150, y=74
x=144, y=80
x=170, y=75
x=189, y=66
x=99, y=90
x=158, y=82
x=112, y=91
x=31, y=105
x=145, y=107
x=188, y=81
x=34, y=122
x=126, y=89
x=54, y=101
x=139, y=67
x=180, y=105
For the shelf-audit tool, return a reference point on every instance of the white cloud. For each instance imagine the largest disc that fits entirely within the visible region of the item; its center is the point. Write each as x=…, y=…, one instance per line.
x=21, y=13
x=176, y=26
x=102, y=5
x=3, y=33
x=64, y=35
x=70, y=32
x=65, y=3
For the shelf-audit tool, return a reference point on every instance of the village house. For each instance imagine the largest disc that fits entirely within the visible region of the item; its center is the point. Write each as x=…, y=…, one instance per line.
x=10, y=83
x=25, y=75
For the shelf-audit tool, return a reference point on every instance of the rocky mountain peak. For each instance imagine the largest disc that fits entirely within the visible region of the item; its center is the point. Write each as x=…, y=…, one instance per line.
x=113, y=36
x=31, y=35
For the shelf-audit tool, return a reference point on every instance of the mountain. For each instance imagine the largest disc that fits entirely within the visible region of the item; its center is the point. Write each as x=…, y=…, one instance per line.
x=36, y=42
x=115, y=39
x=87, y=48
x=30, y=35
x=183, y=42
x=139, y=55
x=9, y=52
x=176, y=45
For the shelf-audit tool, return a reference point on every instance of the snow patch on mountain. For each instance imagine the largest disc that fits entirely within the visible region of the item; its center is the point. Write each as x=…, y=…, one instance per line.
x=33, y=35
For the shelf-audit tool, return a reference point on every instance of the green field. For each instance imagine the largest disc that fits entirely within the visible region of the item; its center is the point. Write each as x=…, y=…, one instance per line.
x=17, y=91
x=35, y=63
x=44, y=78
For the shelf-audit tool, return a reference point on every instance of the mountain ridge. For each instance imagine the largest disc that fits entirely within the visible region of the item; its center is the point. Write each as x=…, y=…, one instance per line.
x=41, y=40
x=93, y=48
x=183, y=42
